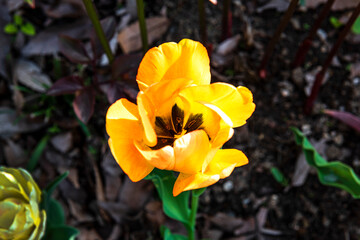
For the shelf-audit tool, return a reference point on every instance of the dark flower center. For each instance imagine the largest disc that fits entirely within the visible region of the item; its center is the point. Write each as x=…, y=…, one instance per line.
x=168, y=130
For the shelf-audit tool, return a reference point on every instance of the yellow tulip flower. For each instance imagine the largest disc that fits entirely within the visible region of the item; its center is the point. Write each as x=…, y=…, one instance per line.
x=20, y=215
x=180, y=121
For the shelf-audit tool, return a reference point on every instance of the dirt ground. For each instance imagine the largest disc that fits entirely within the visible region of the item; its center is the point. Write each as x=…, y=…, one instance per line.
x=103, y=203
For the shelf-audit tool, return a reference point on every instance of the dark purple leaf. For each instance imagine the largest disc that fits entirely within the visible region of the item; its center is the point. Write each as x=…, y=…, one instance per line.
x=47, y=41
x=347, y=118
x=113, y=91
x=84, y=104
x=124, y=63
x=66, y=85
x=73, y=49
x=108, y=25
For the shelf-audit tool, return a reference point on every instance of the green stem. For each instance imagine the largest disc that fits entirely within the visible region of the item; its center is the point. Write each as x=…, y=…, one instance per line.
x=90, y=9
x=194, y=208
x=142, y=24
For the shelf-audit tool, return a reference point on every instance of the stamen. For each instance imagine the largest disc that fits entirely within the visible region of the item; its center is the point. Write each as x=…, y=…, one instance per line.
x=194, y=122
x=177, y=118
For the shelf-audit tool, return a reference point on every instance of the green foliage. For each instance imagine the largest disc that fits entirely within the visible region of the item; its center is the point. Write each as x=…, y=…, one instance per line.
x=18, y=24
x=356, y=26
x=10, y=28
x=56, y=228
x=335, y=173
x=167, y=235
x=35, y=156
x=279, y=177
x=335, y=22
x=28, y=29
x=174, y=207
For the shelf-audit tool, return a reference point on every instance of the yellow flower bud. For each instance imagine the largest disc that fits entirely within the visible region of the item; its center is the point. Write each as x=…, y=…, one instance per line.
x=20, y=215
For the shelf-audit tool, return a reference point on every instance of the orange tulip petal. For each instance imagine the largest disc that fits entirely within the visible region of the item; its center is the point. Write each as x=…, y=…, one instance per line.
x=186, y=182
x=147, y=115
x=129, y=159
x=162, y=158
x=224, y=162
x=162, y=94
x=236, y=103
x=190, y=151
x=188, y=59
x=122, y=120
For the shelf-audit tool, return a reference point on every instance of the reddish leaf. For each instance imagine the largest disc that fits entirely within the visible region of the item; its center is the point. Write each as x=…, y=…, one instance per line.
x=66, y=85
x=47, y=41
x=347, y=118
x=84, y=104
x=124, y=63
x=113, y=91
x=73, y=49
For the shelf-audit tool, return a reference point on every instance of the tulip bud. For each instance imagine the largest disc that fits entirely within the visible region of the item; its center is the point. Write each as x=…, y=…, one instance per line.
x=20, y=214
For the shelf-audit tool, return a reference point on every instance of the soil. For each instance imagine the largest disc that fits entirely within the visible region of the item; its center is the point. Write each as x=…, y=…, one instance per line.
x=103, y=203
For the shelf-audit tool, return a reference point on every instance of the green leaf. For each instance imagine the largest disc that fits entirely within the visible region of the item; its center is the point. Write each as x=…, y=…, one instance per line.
x=61, y=233
x=335, y=173
x=18, y=19
x=198, y=192
x=51, y=187
x=279, y=177
x=10, y=28
x=35, y=156
x=55, y=214
x=335, y=22
x=28, y=29
x=167, y=235
x=356, y=26
x=174, y=207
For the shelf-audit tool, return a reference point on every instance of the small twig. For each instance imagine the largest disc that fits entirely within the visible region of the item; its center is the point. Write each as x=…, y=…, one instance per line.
x=142, y=24
x=90, y=9
x=306, y=44
x=320, y=76
x=270, y=47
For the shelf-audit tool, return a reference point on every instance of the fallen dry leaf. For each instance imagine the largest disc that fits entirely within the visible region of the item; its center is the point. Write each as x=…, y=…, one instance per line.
x=135, y=195
x=14, y=4
x=14, y=154
x=11, y=123
x=130, y=38
x=88, y=234
x=29, y=74
x=154, y=212
x=78, y=212
x=116, y=210
x=112, y=187
x=310, y=79
x=62, y=142
x=65, y=9
x=302, y=168
x=301, y=171
x=355, y=70
x=337, y=6
x=226, y=222
x=279, y=5
x=228, y=45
